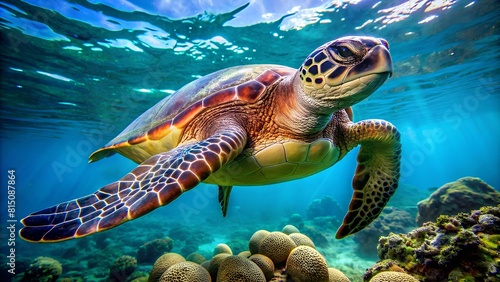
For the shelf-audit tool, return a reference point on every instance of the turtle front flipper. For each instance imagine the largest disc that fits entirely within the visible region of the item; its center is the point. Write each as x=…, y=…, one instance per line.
x=377, y=174
x=154, y=183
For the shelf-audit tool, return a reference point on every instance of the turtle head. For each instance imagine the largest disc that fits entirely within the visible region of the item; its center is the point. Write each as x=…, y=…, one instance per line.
x=343, y=72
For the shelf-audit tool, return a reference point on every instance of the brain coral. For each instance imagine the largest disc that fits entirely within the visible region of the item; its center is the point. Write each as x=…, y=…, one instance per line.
x=245, y=254
x=215, y=262
x=276, y=246
x=197, y=258
x=302, y=240
x=222, y=249
x=185, y=271
x=239, y=269
x=463, y=195
x=335, y=275
x=122, y=268
x=305, y=264
x=162, y=264
x=393, y=276
x=265, y=264
x=289, y=229
x=254, y=243
x=43, y=269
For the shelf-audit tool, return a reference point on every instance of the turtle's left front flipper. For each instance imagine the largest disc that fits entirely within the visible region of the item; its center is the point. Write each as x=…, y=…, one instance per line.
x=377, y=174
x=154, y=183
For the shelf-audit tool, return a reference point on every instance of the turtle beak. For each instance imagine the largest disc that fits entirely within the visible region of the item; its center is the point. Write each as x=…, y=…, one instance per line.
x=386, y=45
x=384, y=42
x=377, y=60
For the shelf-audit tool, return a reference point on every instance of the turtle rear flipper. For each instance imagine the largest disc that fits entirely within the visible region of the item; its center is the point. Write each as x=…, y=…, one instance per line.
x=154, y=183
x=377, y=174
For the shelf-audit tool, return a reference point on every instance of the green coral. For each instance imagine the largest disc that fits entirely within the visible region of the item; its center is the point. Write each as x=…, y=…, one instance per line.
x=121, y=268
x=391, y=219
x=150, y=251
x=465, y=194
x=43, y=269
x=454, y=248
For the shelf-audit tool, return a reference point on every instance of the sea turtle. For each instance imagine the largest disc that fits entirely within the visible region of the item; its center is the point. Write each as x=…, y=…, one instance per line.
x=247, y=125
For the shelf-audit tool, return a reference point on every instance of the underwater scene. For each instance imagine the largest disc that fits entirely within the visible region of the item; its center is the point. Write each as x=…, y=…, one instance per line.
x=350, y=140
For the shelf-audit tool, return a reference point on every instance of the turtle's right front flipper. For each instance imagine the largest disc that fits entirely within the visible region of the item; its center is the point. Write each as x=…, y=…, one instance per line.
x=154, y=183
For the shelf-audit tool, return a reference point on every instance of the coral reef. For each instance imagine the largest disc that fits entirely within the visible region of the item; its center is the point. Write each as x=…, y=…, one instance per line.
x=318, y=237
x=464, y=247
x=393, y=276
x=43, y=269
x=256, y=239
x=306, y=264
x=335, y=275
x=465, y=194
x=152, y=250
x=195, y=257
x=21, y=265
x=190, y=236
x=302, y=240
x=296, y=220
x=122, y=268
x=238, y=244
x=245, y=254
x=326, y=206
x=236, y=268
x=222, y=249
x=289, y=229
x=294, y=263
x=188, y=249
x=276, y=246
x=407, y=195
x=137, y=276
x=185, y=271
x=329, y=223
x=265, y=264
x=215, y=262
x=162, y=264
x=391, y=219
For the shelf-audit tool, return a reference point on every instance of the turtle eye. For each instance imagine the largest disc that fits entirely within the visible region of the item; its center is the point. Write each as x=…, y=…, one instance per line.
x=342, y=51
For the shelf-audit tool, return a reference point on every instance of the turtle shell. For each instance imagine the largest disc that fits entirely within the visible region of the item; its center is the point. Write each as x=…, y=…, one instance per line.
x=160, y=128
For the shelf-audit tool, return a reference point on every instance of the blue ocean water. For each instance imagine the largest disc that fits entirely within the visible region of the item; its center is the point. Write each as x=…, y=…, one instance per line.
x=75, y=73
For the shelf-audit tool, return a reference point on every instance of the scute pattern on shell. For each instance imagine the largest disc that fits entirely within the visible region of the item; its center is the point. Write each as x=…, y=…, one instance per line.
x=239, y=269
x=241, y=83
x=186, y=271
x=276, y=246
x=305, y=264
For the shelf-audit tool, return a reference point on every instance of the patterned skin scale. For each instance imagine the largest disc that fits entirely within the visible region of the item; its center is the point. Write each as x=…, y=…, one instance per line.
x=249, y=125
